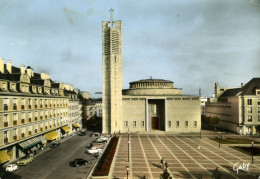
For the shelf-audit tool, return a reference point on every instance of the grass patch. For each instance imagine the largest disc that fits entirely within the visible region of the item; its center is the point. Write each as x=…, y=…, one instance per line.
x=234, y=141
x=248, y=150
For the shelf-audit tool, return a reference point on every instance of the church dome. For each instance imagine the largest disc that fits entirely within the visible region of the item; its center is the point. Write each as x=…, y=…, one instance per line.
x=151, y=83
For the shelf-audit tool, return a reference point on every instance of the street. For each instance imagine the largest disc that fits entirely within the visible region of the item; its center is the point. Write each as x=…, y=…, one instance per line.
x=54, y=163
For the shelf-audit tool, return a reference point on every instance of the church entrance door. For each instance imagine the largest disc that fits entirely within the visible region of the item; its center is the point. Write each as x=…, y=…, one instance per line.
x=155, y=123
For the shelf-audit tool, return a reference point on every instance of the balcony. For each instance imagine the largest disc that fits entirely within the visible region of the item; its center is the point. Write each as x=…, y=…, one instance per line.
x=35, y=118
x=5, y=140
x=23, y=134
x=22, y=107
x=15, y=137
x=22, y=121
x=15, y=122
x=30, y=119
x=14, y=107
x=5, y=107
x=5, y=124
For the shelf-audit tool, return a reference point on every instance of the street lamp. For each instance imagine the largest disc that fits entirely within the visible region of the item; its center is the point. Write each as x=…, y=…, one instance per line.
x=127, y=169
x=252, y=152
x=128, y=144
x=219, y=140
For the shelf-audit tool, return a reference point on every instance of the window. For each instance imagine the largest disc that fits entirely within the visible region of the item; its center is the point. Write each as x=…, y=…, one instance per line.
x=186, y=123
x=195, y=124
x=177, y=123
x=258, y=109
x=258, y=118
x=258, y=102
x=15, y=104
x=249, y=118
x=6, y=104
x=258, y=92
x=142, y=123
x=169, y=123
x=6, y=119
x=15, y=134
x=134, y=123
x=249, y=101
x=126, y=123
x=249, y=110
x=15, y=119
x=6, y=135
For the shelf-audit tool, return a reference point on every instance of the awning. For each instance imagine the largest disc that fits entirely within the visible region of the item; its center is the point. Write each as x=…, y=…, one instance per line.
x=52, y=135
x=75, y=125
x=42, y=138
x=66, y=129
x=29, y=143
x=4, y=156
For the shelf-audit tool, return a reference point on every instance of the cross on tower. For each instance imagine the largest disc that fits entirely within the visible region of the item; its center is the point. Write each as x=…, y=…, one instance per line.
x=111, y=18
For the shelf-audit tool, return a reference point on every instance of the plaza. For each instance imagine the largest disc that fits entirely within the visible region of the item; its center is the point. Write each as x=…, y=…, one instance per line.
x=187, y=156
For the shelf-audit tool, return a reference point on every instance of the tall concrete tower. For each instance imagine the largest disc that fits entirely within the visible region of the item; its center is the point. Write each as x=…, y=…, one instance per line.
x=112, y=75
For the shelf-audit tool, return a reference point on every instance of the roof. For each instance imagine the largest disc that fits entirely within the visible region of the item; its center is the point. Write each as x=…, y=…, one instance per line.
x=247, y=89
x=152, y=80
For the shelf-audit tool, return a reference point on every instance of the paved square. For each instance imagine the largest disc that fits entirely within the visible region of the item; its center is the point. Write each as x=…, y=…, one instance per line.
x=187, y=156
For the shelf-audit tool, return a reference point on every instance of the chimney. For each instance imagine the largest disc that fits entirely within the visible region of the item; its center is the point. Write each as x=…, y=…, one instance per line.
x=22, y=71
x=242, y=84
x=29, y=71
x=2, y=65
x=9, y=66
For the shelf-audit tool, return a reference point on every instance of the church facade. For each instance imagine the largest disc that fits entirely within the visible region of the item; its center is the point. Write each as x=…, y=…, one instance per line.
x=148, y=106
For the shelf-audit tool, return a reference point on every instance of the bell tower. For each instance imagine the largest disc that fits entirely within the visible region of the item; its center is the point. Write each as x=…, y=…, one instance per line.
x=112, y=75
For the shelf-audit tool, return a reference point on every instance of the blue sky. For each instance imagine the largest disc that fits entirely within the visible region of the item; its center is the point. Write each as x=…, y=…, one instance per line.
x=193, y=43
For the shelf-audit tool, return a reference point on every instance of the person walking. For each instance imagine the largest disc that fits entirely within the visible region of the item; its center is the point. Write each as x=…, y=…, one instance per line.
x=162, y=163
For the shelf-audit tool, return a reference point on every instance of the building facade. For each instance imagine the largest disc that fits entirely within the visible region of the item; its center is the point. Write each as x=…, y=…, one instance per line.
x=237, y=108
x=150, y=105
x=33, y=111
x=112, y=75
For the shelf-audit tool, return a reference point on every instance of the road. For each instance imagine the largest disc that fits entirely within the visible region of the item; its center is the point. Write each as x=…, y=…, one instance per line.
x=54, y=163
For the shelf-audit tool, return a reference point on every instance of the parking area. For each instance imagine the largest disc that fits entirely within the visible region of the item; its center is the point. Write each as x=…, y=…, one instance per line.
x=187, y=157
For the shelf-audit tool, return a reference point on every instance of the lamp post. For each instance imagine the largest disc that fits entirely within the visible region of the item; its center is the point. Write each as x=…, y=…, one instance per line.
x=127, y=169
x=200, y=133
x=219, y=140
x=252, y=152
x=128, y=144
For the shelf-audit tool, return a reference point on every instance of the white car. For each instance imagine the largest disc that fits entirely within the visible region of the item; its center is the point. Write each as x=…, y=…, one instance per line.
x=11, y=168
x=94, y=150
x=103, y=138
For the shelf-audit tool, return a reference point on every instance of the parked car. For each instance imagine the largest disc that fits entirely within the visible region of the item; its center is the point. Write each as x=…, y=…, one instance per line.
x=54, y=144
x=25, y=161
x=82, y=133
x=99, y=140
x=103, y=138
x=94, y=150
x=11, y=168
x=95, y=134
x=78, y=162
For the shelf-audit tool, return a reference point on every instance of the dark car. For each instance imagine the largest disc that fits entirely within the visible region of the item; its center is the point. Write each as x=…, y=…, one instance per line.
x=95, y=134
x=78, y=162
x=54, y=144
x=81, y=133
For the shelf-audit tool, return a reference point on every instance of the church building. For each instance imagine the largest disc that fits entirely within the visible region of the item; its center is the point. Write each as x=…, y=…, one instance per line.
x=148, y=106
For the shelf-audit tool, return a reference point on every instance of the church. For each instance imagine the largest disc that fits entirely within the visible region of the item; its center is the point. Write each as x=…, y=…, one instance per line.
x=149, y=105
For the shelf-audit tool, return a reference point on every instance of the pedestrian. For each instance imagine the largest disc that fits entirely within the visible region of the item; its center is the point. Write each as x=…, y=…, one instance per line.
x=166, y=165
x=162, y=162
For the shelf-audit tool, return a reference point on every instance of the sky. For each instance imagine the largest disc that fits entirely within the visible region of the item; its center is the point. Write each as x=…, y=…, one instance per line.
x=193, y=43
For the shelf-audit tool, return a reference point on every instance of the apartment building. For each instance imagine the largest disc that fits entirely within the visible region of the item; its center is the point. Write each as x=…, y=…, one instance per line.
x=237, y=108
x=33, y=111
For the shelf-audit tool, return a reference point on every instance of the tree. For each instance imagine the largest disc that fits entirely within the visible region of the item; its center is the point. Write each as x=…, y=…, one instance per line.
x=214, y=121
